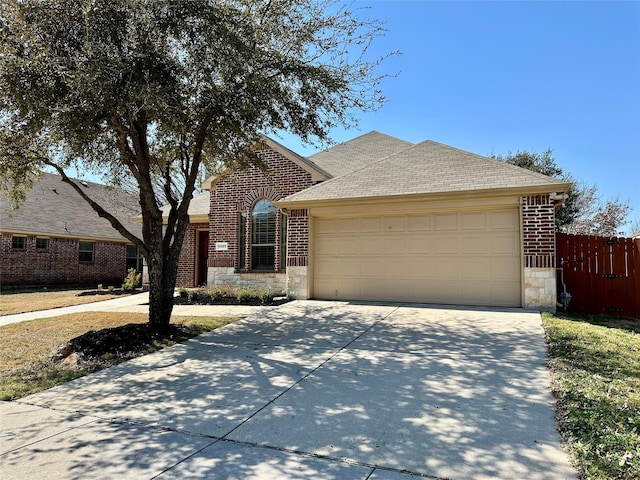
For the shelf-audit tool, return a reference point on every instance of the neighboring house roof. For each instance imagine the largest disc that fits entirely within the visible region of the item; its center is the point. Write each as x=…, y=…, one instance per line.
x=358, y=153
x=198, y=208
x=53, y=208
x=427, y=168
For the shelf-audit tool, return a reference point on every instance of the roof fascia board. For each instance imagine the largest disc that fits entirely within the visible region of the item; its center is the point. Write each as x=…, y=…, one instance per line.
x=484, y=193
x=67, y=237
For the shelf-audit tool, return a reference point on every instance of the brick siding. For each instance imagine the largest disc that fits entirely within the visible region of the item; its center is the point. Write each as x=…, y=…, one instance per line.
x=538, y=231
x=239, y=191
x=298, y=238
x=59, y=264
x=187, y=261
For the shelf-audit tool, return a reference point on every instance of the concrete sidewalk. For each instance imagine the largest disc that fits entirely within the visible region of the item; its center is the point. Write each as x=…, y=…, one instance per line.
x=137, y=303
x=308, y=390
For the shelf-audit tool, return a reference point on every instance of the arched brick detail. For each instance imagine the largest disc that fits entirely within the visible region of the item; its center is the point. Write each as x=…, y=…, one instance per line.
x=254, y=195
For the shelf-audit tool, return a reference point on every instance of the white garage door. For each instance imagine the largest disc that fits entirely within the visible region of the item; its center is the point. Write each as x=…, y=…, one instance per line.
x=465, y=258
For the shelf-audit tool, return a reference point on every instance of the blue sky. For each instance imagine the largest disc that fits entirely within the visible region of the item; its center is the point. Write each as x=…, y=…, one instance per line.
x=494, y=77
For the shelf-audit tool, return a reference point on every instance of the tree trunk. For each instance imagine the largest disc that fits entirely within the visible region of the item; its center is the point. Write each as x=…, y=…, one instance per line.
x=160, y=299
x=162, y=262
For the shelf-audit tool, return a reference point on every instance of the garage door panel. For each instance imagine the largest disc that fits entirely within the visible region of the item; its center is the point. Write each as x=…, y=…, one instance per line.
x=447, y=291
x=504, y=245
x=478, y=293
x=473, y=221
x=418, y=245
x=465, y=257
x=394, y=224
x=502, y=293
x=445, y=267
x=371, y=245
x=476, y=245
x=371, y=267
x=370, y=225
x=504, y=269
x=504, y=220
x=421, y=267
x=443, y=245
x=475, y=268
x=419, y=223
x=394, y=267
x=446, y=222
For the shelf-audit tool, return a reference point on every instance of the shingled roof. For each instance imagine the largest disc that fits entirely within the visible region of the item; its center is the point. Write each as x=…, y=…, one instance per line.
x=53, y=208
x=426, y=168
x=358, y=153
x=198, y=208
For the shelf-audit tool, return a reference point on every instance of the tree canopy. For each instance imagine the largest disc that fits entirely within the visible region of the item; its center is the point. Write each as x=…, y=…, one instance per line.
x=158, y=93
x=583, y=212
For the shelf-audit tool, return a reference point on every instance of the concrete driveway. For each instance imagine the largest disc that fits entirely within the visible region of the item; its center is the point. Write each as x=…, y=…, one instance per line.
x=308, y=390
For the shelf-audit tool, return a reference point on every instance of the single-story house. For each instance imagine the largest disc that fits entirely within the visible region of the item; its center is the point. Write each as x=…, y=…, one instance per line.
x=379, y=218
x=55, y=237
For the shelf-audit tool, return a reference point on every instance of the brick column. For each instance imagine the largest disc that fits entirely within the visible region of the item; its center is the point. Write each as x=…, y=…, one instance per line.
x=298, y=253
x=539, y=259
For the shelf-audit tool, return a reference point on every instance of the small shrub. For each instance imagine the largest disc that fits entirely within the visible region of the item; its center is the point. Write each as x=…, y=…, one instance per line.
x=193, y=296
x=111, y=288
x=132, y=280
x=266, y=296
x=244, y=295
x=227, y=290
x=216, y=294
x=183, y=292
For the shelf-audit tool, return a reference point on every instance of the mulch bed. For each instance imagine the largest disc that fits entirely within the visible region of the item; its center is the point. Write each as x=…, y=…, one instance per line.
x=119, y=341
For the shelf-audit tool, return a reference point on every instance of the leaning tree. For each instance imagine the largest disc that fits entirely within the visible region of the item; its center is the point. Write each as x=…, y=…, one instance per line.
x=158, y=93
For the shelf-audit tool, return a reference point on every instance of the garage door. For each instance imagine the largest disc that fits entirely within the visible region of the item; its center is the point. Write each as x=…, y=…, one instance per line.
x=465, y=258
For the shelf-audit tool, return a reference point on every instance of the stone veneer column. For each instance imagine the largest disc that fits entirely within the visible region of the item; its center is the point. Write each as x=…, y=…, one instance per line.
x=298, y=254
x=539, y=259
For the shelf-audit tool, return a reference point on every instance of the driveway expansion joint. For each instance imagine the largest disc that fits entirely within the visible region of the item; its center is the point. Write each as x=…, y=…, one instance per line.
x=308, y=374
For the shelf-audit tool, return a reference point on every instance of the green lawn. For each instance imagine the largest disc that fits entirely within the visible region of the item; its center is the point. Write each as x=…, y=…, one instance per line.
x=595, y=362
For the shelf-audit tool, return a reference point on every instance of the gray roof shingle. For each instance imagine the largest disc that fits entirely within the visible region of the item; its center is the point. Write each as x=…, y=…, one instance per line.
x=200, y=205
x=427, y=168
x=358, y=153
x=53, y=208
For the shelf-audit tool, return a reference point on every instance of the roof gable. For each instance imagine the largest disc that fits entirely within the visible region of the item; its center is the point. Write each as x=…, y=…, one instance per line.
x=358, y=153
x=429, y=168
x=318, y=174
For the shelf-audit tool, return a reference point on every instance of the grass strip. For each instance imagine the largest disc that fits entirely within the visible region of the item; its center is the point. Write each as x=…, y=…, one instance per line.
x=595, y=365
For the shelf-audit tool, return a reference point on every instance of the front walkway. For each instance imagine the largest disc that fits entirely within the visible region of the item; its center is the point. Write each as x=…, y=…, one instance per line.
x=308, y=390
x=135, y=303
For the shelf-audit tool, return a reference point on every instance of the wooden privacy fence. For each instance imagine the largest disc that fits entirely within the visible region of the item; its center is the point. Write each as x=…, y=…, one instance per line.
x=602, y=274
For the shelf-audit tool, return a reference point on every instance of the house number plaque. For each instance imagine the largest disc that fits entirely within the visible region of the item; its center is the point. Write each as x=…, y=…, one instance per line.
x=222, y=246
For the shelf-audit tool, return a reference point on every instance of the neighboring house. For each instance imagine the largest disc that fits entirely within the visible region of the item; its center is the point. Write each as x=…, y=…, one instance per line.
x=380, y=219
x=55, y=237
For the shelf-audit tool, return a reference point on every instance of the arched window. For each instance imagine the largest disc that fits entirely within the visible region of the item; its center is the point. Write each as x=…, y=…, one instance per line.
x=263, y=235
